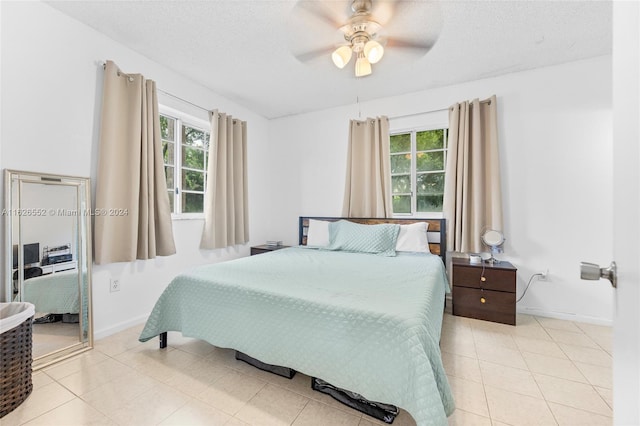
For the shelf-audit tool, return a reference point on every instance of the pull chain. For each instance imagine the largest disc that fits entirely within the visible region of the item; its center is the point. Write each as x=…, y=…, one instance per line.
x=358, y=98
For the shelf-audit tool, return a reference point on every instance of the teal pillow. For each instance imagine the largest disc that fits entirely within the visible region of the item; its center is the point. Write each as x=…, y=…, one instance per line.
x=353, y=237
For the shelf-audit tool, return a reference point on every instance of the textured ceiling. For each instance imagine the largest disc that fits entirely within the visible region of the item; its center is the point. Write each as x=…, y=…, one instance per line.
x=244, y=49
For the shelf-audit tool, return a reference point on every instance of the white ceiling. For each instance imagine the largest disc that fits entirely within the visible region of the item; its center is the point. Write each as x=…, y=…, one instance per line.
x=244, y=49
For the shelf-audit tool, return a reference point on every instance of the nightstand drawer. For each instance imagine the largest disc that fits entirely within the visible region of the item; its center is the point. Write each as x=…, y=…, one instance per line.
x=494, y=279
x=498, y=306
x=264, y=249
x=256, y=250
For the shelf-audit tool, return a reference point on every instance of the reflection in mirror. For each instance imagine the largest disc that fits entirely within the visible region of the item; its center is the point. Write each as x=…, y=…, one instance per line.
x=48, y=259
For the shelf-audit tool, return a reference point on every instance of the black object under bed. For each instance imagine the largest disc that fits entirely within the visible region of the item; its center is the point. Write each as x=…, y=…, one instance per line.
x=378, y=410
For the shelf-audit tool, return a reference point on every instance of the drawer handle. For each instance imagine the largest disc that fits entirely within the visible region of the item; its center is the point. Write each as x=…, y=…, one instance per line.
x=483, y=279
x=483, y=300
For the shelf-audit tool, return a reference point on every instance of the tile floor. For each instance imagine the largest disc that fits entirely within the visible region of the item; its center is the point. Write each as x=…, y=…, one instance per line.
x=544, y=371
x=54, y=336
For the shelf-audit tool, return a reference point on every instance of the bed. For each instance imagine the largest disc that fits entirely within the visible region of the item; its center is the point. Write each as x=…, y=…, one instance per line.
x=364, y=322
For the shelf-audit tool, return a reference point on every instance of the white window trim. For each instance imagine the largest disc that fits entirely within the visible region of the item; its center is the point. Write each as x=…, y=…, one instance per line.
x=413, y=131
x=197, y=123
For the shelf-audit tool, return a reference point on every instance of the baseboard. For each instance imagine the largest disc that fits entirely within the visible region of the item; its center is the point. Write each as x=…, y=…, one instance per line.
x=113, y=329
x=565, y=316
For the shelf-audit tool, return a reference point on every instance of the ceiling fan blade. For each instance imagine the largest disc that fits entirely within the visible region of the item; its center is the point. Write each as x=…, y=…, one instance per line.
x=313, y=54
x=416, y=24
x=408, y=44
x=385, y=11
x=320, y=11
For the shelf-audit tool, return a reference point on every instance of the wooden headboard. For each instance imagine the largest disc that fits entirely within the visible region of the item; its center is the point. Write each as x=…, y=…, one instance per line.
x=436, y=232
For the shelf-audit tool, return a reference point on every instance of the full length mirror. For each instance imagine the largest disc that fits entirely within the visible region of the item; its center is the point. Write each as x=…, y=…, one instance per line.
x=48, y=259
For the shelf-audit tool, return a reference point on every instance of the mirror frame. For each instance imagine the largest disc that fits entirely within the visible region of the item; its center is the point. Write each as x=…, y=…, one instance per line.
x=84, y=222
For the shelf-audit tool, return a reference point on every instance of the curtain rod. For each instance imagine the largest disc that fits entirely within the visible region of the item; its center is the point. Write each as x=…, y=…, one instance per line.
x=486, y=101
x=417, y=113
x=183, y=100
x=104, y=66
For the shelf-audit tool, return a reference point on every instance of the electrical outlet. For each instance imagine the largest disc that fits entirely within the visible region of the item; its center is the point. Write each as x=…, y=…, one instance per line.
x=544, y=276
x=114, y=285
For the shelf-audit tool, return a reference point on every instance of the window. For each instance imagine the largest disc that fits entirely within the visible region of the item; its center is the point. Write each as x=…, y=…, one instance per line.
x=418, y=161
x=185, y=146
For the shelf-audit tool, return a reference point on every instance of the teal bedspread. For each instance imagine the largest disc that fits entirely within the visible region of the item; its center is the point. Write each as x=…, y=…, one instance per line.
x=362, y=322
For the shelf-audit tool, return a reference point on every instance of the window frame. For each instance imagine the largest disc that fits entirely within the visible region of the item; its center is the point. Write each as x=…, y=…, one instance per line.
x=413, y=131
x=184, y=119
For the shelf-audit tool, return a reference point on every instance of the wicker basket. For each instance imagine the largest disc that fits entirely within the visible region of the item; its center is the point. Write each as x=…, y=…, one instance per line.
x=15, y=366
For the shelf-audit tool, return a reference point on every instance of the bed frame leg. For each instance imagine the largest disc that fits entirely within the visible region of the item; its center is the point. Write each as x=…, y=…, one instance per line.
x=163, y=340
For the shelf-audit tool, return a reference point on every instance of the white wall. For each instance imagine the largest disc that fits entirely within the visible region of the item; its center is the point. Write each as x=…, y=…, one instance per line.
x=555, y=135
x=51, y=97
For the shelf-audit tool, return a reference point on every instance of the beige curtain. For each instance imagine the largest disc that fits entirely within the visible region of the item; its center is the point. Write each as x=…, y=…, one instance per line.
x=368, y=184
x=226, y=209
x=472, y=195
x=133, y=218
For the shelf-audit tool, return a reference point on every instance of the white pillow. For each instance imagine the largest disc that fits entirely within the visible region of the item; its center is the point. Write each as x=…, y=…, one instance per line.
x=318, y=233
x=413, y=238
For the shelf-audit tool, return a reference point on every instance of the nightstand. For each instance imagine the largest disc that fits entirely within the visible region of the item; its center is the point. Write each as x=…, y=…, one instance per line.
x=484, y=291
x=265, y=249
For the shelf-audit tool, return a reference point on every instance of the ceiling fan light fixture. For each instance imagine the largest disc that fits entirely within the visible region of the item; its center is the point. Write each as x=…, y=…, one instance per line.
x=363, y=67
x=373, y=51
x=341, y=56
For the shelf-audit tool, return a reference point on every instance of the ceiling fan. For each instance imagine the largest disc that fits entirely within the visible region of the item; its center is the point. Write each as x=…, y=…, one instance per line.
x=364, y=36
